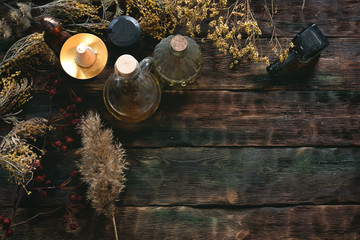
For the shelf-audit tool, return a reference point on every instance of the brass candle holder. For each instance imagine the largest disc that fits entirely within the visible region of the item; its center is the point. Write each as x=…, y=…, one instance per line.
x=83, y=56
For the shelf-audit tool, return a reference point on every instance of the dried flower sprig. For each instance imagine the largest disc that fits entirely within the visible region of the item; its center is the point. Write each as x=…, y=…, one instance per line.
x=17, y=21
x=14, y=93
x=18, y=155
x=102, y=165
x=107, y=4
x=156, y=18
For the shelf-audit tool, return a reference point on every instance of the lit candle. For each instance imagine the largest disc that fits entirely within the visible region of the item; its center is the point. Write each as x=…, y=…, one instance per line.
x=85, y=55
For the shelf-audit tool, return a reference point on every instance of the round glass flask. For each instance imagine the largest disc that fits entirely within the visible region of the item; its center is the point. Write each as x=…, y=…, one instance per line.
x=132, y=93
x=178, y=60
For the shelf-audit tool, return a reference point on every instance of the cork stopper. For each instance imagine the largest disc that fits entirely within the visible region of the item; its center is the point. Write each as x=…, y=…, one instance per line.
x=178, y=43
x=85, y=55
x=126, y=65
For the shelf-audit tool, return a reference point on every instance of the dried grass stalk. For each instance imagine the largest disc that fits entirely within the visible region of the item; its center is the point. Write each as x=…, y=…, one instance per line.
x=102, y=165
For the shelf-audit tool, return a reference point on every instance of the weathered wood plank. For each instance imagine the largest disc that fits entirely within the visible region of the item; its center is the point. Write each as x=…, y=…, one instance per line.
x=220, y=177
x=338, y=68
x=242, y=177
x=232, y=118
x=335, y=18
x=301, y=222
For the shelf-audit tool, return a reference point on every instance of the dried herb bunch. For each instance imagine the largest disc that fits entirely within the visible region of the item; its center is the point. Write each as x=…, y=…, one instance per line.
x=18, y=155
x=233, y=28
x=75, y=15
x=158, y=18
x=15, y=78
x=16, y=21
x=27, y=53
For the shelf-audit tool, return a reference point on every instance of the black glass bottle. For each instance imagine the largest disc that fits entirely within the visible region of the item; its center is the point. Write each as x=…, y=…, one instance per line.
x=307, y=45
x=124, y=37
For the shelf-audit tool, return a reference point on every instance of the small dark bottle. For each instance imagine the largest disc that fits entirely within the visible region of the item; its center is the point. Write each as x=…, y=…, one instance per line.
x=124, y=37
x=54, y=34
x=307, y=45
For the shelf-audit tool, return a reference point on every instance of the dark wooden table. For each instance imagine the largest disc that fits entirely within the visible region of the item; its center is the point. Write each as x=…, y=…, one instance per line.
x=236, y=155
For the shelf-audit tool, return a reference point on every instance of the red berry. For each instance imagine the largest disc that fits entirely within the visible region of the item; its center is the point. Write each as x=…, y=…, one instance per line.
x=56, y=83
x=74, y=173
x=48, y=182
x=73, y=197
x=68, y=115
x=1, y=219
x=73, y=226
x=75, y=121
x=60, y=129
x=65, y=218
x=9, y=233
x=7, y=221
x=58, y=143
x=68, y=140
x=78, y=100
x=52, y=92
x=40, y=168
x=71, y=108
x=37, y=163
x=81, y=206
x=43, y=194
x=39, y=179
x=80, y=198
x=63, y=148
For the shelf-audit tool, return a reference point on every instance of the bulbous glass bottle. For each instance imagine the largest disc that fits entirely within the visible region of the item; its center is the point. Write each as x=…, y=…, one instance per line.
x=132, y=93
x=178, y=60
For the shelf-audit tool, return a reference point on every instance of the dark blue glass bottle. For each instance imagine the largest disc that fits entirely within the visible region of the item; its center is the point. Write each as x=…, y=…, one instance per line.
x=307, y=45
x=124, y=37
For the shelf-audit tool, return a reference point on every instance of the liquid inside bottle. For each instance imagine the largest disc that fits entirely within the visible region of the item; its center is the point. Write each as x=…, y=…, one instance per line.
x=132, y=93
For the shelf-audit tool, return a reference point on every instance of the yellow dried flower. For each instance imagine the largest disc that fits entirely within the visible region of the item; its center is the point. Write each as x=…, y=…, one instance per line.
x=17, y=155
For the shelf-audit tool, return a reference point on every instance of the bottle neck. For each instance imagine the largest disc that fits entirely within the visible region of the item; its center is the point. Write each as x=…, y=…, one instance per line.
x=130, y=76
x=177, y=53
x=277, y=65
x=178, y=45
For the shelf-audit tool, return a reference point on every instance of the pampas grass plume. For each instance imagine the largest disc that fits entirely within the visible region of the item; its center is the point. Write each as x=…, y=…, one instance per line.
x=102, y=164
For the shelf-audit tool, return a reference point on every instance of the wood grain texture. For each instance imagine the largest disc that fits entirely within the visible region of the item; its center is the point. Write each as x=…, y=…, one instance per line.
x=301, y=222
x=237, y=118
x=236, y=155
x=335, y=18
x=337, y=68
x=244, y=177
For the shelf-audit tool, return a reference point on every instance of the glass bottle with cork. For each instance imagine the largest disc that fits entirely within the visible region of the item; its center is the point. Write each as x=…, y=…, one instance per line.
x=178, y=60
x=132, y=93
